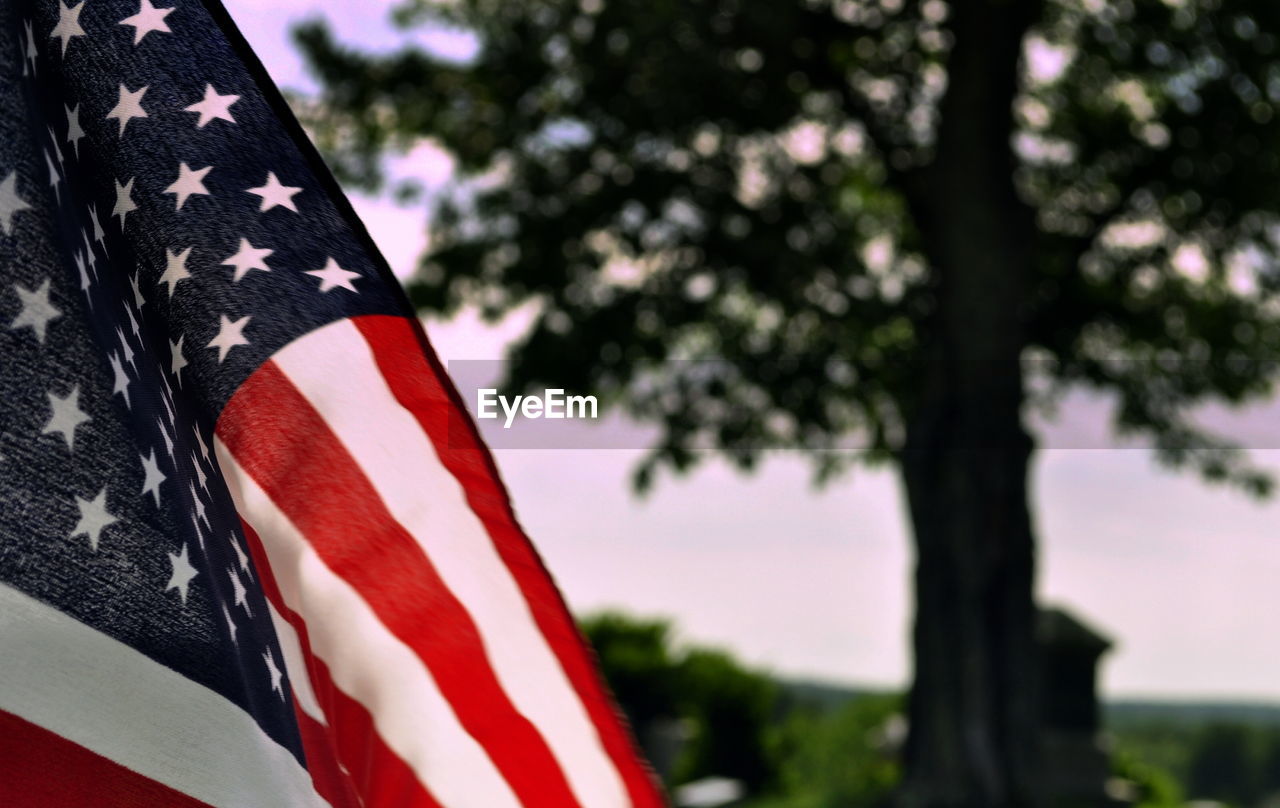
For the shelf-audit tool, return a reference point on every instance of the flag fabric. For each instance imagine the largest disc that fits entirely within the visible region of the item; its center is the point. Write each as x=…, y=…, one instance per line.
x=244, y=558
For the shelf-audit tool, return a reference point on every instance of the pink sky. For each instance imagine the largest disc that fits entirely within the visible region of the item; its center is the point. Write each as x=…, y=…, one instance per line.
x=1187, y=578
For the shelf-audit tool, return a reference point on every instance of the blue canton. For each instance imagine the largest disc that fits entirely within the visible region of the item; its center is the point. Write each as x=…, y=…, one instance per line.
x=163, y=232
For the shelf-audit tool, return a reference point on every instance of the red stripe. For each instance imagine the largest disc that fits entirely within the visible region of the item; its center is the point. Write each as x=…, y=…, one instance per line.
x=374, y=773
x=333, y=786
x=286, y=446
x=39, y=769
x=330, y=783
x=420, y=384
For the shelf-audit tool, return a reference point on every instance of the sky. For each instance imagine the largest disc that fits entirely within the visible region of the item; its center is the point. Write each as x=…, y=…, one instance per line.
x=1185, y=578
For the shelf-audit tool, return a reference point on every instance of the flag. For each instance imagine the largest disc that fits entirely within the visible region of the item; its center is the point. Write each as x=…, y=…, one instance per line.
x=244, y=561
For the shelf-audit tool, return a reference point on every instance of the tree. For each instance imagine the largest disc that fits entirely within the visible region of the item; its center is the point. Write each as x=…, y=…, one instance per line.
x=891, y=226
x=839, y=758
x=637, y=661
x=727, y=707
x=1153, y=787
x=731, y=708
x=1223, y=765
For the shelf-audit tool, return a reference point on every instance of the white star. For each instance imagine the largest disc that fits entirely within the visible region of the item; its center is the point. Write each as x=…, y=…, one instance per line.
x=98, y=233
x=275, y=672
x=175, y=269
x=137, y=297
x=74, y=131
x=189, y=182
x=151, y=469
x=66, y=416
x=178, y=361
x=242, y=557
x=183, y=572
x=148, y=19
x=68, y=25
x=213, y=106
x=231, y=624
x=164, y=436
x=31, y=53
x=128, y=310
x=54, y=179
x=247, y=258
x=124, y=201
x=10, y=202
x=275, y=194
x=333, y=276
x=121, y=378
x=57, y=151
x=204, y=450
x=166, y=396
x=94, y=518
x=88, y=252
x=37, y=311
x=199, y=506
x=125, y=350
x=84, y=276
x=128, y=107
x=239, y=590
x=200, y=478
x=230, y=334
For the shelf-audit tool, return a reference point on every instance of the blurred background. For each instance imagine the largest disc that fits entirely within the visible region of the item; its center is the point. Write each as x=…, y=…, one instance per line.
x=830, y=200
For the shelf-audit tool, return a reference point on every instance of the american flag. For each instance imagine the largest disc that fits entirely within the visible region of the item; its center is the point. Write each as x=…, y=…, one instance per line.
x=243, y=559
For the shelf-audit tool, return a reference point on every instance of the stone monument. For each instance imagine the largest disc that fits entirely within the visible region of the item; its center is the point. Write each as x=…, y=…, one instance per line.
x=1076, y=764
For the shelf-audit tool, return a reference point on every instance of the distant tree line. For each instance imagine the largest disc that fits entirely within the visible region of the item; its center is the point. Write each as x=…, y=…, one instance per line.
x=801, y=745
x=1237, y=763
x=790, y=747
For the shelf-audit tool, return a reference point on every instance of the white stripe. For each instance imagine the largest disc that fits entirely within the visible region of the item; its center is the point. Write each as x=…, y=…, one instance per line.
x=97, y=692
x=334, y=369
x=294, y=662
x=368, y=662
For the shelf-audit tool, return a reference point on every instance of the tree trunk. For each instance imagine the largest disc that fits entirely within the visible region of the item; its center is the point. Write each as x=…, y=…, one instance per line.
x=974, y=707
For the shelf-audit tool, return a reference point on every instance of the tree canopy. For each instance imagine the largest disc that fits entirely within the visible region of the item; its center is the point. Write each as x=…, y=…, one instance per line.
x=874, y=229
x=756, y=183
x=726, y=707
